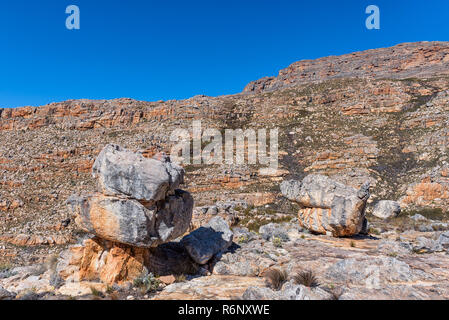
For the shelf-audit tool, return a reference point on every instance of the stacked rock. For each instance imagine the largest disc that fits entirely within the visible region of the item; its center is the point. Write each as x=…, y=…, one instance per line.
x=139, y=203
x=135, y=217
x=327, y=205
x=137, y=211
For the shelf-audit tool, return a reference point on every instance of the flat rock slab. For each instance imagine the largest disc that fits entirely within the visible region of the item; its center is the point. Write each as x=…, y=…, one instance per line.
x=213, y=287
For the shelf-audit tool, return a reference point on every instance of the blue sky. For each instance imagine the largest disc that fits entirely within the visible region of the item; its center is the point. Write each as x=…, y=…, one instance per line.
x=161, y=50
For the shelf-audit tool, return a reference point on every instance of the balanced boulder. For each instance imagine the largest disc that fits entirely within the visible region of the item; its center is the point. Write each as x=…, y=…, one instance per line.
x=138, y=204
x=327, y=205
x=137, y=211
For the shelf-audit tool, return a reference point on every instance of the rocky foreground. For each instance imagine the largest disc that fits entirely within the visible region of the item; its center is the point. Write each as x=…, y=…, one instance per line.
x=357, y=210
x=407, y=265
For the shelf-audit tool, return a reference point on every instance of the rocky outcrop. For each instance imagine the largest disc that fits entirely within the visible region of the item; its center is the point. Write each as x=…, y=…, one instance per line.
x=26, y=240
x=432, y=190
x=386, y=209
x=139, y=209
x=271, y=231
x=140, y=205
x=328, y=206
x=116, y=263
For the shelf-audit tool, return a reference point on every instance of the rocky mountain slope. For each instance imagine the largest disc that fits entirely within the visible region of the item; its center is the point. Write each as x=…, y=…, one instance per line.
x=380, y=115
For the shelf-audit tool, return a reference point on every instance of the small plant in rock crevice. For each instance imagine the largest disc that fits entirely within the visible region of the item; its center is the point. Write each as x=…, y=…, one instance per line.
x=277, y=242
x=95, y=292
x=335, y=293
x=243, y=239
x=147, y=283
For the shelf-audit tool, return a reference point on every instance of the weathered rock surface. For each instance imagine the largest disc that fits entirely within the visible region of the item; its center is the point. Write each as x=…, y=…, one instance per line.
x=386, y=209
x=210, y=239
x=140, y=205
x=289, y=291
x=124, y=173
x=328, y=206
x=373, y=267
x=272, y=230
x=4, y=294
x=443, y=240
x=215, y=287
x=129, y=222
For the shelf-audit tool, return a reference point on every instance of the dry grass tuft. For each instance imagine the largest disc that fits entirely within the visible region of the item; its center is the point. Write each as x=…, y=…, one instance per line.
x=276, y=278
x=306, y=278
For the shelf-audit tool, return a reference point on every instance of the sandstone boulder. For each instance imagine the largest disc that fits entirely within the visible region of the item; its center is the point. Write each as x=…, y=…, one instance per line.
x=208, y=240
x=128, y=221
x=124, y=173
x=386, y=209
x=116, y=263
x=327, y=205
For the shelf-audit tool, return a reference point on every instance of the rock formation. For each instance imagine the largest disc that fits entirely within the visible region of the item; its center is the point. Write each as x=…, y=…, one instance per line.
x=140, y=205
x=139, y=208
x=328, y=206
x=135, y=215
x=116, y=263
x=379, y=115
x=127, y=174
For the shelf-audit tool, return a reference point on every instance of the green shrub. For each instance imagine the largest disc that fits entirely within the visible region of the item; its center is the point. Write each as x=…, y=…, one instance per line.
x=277, y=242
x=147, y=283
x=243, y=239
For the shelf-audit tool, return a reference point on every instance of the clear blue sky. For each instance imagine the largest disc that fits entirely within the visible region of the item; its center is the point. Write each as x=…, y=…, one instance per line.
x=160, y=50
